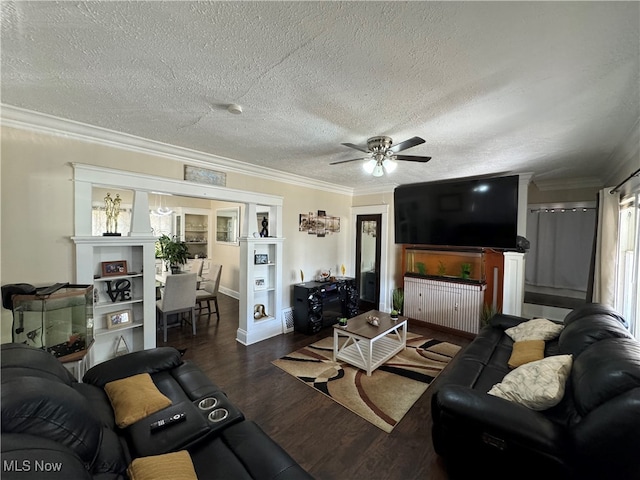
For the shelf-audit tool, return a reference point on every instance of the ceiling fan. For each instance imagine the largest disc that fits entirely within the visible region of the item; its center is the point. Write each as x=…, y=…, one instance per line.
x=382, y=156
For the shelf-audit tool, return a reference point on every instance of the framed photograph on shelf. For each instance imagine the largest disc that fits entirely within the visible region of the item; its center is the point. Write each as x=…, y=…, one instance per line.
x=119, y=319
x=117, y=267
x=260, y=283
x=261, y=258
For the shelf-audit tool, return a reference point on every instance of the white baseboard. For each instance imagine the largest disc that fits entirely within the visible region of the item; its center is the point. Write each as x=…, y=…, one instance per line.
x=229, y=292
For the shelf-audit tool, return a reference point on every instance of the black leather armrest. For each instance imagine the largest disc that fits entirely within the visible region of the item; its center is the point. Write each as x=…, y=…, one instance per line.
x=607, y=439
x=466, y=412
x=144, y=361
x=263, y=458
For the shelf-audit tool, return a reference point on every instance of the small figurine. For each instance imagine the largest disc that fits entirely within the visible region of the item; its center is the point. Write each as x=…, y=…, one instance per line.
x=371, y=320
x=265, y=231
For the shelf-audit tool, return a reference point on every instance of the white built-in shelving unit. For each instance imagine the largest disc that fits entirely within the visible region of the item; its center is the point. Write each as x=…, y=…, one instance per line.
x=138, y=252
x=260, y=283
x=138, y=249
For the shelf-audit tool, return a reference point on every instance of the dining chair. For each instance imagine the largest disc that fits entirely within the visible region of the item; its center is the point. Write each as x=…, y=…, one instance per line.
x=208, y=292
x=196, y=266
x=179, y=296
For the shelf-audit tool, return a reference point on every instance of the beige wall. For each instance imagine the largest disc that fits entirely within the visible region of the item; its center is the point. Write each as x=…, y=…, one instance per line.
x=36, y=212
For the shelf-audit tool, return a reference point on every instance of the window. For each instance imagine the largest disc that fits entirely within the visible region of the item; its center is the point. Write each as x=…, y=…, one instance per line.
x=99, y=220
x=161, y=224
x=628, y=272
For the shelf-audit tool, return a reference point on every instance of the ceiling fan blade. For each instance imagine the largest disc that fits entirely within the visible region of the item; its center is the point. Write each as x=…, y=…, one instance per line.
x=346, y=161
x=411, y=142
x=412, y=158
x=357, y=147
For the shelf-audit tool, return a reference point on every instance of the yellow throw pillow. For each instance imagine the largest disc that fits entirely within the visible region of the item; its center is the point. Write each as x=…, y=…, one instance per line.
x=134, y=398
x=170, y=466
x=525, y=352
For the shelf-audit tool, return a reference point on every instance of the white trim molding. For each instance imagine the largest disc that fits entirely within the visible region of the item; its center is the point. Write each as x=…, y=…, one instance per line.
x=383, y=210
x=30, y=120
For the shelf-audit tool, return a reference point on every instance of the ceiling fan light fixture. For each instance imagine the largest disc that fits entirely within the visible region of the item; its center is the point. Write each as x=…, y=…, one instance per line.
x=369, y=166
x=381, y=155
x=390, y=165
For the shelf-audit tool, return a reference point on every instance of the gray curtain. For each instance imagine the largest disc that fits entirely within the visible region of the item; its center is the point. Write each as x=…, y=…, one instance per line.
x=604, y=277
x=561, y=247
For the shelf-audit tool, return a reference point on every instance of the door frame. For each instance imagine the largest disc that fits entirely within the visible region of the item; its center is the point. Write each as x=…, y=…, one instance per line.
x=366, y=305
x=383, y=210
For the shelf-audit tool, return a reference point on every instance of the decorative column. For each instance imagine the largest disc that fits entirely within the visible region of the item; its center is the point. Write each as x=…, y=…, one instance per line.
x=513, y=285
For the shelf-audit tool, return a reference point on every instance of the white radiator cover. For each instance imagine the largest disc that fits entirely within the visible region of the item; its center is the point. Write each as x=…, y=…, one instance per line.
x=444, y=303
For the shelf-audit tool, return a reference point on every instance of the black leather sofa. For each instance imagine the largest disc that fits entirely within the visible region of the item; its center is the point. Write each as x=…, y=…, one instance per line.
x=54, y=427
x=593, y=433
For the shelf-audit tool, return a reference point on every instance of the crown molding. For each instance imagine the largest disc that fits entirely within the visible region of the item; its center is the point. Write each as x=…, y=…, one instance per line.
x=374, y=190
x=20, y=118
x=566, y=183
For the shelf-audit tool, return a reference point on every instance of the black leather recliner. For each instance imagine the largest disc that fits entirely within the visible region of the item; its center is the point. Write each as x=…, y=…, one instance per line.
x=593, y=433
x=55, y=426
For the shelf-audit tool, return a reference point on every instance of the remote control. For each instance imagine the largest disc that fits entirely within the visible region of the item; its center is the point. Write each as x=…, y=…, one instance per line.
x=165, y=422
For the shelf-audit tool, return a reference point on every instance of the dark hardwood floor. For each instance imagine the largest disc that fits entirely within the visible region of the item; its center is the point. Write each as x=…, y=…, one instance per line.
x=328, y=440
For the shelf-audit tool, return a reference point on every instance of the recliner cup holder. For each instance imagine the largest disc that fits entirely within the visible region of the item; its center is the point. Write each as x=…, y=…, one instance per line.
x=218, y=415
x=207, y=403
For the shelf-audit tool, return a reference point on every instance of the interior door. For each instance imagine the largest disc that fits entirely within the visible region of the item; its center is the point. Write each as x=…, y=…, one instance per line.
x=368, y=247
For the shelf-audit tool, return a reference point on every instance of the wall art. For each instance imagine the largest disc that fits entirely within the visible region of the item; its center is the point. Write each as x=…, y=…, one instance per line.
x=203, y=175
x=319, y=224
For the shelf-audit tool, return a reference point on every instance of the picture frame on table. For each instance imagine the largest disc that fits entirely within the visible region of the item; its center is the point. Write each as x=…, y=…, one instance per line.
x=261, y=258
x=119, y=319
x=260, y=283
x=113, y=268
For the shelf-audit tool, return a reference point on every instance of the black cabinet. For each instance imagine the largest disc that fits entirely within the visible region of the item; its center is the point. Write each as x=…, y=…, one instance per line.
x=320, y=304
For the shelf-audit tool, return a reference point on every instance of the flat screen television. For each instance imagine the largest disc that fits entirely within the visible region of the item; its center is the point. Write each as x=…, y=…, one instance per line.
x=463, y=213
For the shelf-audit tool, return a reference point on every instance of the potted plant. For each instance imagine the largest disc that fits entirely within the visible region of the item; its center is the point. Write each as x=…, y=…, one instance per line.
x=173, y=251
x=488, y=311
x=397, y=300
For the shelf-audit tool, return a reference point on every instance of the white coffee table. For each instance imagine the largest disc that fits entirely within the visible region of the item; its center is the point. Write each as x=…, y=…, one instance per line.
x=367, y=347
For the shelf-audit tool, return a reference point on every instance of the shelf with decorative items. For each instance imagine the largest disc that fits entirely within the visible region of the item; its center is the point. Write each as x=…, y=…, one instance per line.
x=263, y=270
x=121, y=270
x=260, y=276
x=118, y=301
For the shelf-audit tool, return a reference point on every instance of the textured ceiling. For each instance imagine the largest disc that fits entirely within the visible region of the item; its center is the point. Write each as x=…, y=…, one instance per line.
x=544, y=87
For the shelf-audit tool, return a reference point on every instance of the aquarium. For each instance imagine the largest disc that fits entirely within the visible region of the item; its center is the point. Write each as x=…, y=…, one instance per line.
x=445, y=264
x=60, y=322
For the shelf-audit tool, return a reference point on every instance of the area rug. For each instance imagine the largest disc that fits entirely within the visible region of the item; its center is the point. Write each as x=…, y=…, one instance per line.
x=391, y=390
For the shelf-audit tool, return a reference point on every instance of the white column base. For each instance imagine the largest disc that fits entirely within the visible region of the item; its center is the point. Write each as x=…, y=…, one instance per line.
x=513, y=290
